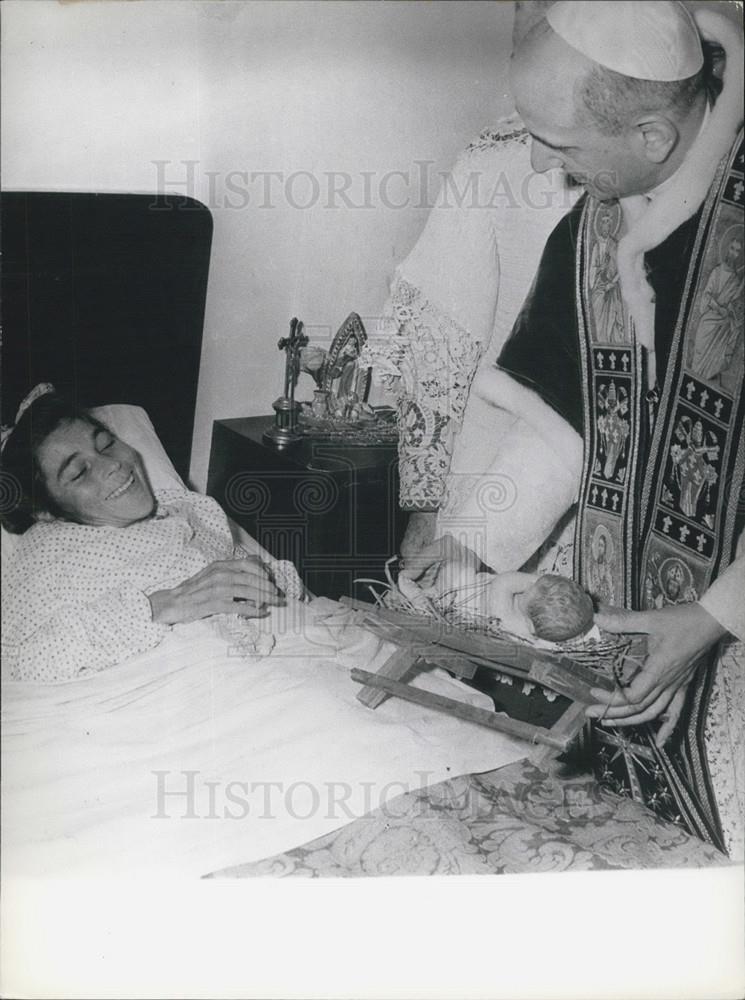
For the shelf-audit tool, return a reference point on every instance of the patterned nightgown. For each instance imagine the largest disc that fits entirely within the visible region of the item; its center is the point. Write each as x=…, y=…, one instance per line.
x=75, y=596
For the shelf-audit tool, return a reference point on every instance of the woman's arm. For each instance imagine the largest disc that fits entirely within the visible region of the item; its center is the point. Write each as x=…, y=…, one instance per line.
x=48, y=638
x=77, y=637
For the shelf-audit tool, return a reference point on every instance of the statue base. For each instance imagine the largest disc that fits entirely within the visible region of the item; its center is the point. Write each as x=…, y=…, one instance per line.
x=284, y=432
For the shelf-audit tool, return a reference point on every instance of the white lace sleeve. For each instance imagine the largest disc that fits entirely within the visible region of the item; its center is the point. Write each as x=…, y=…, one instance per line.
x=455, y=298
x=440, y=315
x=435, y=369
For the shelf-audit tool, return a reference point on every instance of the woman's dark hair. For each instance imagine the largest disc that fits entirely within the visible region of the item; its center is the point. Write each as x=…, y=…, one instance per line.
x=24, y=494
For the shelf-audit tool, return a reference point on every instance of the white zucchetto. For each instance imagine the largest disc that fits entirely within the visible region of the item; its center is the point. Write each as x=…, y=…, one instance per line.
x=645, y=39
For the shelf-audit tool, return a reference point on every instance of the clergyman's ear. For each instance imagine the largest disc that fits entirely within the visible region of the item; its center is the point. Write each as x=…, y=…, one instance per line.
x=657, y=138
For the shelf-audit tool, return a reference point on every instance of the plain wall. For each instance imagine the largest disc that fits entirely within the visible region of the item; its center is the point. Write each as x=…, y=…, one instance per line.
x=262, y=111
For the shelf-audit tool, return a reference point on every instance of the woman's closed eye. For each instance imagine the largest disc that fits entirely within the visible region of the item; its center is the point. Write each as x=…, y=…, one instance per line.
x=102, y=444
x=78, y=474
x=105, y=441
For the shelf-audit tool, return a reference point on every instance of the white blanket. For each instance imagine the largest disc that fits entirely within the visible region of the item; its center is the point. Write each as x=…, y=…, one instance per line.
x=188, y=759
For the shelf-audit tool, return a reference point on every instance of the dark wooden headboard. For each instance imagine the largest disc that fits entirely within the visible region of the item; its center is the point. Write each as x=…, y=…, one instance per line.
x=103, y=295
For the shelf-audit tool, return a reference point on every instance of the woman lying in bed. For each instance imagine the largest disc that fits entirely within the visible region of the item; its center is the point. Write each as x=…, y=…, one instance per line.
x=104, y=565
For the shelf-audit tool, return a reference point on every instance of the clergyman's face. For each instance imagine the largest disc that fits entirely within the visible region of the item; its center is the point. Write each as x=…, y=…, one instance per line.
x=543, y=78
x=93, y=477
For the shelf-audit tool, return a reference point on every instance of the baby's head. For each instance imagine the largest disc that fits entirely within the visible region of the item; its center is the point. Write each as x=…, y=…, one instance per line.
x=558, y=608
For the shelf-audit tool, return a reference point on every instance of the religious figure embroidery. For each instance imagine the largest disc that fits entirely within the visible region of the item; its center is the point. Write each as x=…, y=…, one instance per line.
x=599, y=570
x=692, y=468
x=613, y=428
x=348, y=369
x=719, y=330
x=605, y=292
x=669, y=583
x=690, y=463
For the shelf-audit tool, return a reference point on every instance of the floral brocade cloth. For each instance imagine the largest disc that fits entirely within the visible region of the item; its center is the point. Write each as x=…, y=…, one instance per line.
x=514, y=820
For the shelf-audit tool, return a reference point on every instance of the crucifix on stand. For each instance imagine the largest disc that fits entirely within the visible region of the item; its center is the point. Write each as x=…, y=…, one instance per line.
x=286, y=410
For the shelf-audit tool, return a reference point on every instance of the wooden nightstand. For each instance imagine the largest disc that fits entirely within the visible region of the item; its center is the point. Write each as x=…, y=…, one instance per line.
x=329, y=507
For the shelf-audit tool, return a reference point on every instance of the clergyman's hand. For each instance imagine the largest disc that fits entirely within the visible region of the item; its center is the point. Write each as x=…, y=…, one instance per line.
x=442, y=567
x=420, y=532
x=678, y=637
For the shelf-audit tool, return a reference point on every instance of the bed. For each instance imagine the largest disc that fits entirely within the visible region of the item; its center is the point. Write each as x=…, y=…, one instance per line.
x=191, y=760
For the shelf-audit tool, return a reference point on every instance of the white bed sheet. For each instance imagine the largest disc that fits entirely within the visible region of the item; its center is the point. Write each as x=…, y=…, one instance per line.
x=80, y=793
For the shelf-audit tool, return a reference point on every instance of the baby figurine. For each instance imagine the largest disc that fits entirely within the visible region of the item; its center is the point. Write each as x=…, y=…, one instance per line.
x=549, y=607
x=558, y=608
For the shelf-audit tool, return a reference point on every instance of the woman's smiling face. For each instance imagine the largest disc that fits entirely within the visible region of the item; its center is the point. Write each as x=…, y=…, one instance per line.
x=93, y=477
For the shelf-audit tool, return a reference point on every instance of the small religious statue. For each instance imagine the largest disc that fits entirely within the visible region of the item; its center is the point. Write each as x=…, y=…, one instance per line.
x=340, y=397
x=286, y=410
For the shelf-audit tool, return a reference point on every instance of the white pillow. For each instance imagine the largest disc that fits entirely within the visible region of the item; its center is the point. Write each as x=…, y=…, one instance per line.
x=132, y=425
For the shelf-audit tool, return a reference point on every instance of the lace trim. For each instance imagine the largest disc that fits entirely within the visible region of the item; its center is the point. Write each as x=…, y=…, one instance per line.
x=511, y=130
x=429, y=362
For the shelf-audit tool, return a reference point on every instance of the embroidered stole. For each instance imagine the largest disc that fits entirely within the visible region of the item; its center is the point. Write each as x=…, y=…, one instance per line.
x=663, y=471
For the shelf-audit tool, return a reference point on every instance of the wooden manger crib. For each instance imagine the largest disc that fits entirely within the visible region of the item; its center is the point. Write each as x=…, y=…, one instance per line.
x=570, y=674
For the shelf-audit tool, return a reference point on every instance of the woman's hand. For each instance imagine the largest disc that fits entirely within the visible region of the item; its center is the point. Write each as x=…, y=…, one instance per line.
x=678, y=636
x=232, y=586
